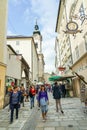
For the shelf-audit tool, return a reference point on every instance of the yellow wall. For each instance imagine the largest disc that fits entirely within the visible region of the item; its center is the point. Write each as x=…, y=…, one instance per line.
x=2, y=84
x=3, y=25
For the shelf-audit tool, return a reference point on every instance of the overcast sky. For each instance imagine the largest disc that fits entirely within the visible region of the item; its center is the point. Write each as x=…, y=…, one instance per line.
x=22, y=15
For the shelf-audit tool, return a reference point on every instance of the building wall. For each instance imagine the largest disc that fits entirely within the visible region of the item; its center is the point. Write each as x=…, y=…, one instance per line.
x=26, y=47
x=2, y=84
x=64, y=50
x=3, y=25
x=57, y=57
x=73, y=49
x=35, y=63
x=46, y=78
x=22, y=46
x=41, y=67
x=38, y=41
x=13, y=65
x=79, y=48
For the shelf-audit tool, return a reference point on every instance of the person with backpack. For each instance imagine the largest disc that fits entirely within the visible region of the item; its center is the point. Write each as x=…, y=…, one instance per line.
x=43, y=100
x=14, y=102
x=57, y=97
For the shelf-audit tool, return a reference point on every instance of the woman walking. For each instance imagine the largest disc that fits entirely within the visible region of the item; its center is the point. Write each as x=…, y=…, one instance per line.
x=57, y=97
x=43, y=100
x=14, y=102
x=32, y=93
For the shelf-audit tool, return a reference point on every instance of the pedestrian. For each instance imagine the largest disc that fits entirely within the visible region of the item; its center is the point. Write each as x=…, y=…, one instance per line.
x=63, y=89
x=32, y=93
x=14, y=102
x=27, y=95
x=57, y=97
x=43, y=100
x=37, y=97
x=22, y=91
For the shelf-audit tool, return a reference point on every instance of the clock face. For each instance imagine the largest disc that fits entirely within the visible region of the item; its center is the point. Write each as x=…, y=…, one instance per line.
x=72, y=26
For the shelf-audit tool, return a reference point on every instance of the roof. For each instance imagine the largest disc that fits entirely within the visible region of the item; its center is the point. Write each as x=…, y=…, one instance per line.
x=12, y=49
x=18, y=36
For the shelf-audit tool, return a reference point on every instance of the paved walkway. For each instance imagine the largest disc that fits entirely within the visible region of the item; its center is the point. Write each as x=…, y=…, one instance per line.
x=73, y=118
x=30, y=119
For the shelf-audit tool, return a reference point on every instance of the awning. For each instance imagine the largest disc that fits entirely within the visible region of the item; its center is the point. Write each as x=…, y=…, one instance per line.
x=54, y=78
x=60, y=78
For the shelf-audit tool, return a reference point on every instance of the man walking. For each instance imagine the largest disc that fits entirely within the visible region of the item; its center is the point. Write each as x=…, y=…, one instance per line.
x=57, y=97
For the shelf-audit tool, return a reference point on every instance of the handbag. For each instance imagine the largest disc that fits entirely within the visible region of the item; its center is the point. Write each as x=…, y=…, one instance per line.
x=43, y=101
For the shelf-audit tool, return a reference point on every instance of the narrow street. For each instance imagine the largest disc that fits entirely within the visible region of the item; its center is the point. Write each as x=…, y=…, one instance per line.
x=30, y=119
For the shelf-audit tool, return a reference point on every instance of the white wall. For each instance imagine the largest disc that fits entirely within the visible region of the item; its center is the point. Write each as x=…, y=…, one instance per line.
x=13, y=65
x=24, y=48
x=27, y=48
x=35, y=63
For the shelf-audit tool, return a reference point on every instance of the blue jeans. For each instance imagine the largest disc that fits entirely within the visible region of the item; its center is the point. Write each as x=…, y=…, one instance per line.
x=32, y=101
x=14, y=106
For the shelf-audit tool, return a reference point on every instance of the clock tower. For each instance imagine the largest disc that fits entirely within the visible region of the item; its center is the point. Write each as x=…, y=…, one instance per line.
x=37, y=38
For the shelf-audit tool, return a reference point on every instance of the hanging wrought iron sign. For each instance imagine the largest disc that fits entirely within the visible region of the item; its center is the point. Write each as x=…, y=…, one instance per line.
x=72, y=28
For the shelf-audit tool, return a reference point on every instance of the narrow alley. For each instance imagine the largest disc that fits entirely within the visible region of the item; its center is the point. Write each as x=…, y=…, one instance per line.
x=73, y=118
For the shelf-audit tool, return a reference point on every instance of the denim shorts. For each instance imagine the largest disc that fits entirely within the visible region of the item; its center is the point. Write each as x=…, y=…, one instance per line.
x=44, y=108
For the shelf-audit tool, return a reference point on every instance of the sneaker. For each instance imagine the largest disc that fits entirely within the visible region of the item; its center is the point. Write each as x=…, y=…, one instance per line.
x=11, y=122
x=44, y=120
x=16, y=117
x=62, y=112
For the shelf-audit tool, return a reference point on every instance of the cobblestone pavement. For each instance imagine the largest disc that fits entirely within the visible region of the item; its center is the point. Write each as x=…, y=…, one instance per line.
x=24, y=116
x=72, y=119
x=30, y=119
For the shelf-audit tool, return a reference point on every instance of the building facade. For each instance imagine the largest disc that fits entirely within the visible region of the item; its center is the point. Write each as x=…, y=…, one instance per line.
x=63, y=40
x=57, y=56
x=3, y=25
x=26, y=47
x=72, y=38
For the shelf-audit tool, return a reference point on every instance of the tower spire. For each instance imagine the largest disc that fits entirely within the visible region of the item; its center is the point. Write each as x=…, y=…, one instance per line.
x=36, y=28
x=36, y=21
